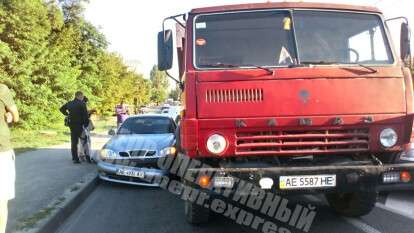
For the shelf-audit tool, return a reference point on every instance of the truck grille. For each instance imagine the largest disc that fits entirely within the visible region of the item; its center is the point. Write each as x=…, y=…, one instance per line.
x=234, y=95
x=292, y=142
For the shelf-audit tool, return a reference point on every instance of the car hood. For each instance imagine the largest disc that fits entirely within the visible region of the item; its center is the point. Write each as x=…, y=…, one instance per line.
x=157, y=142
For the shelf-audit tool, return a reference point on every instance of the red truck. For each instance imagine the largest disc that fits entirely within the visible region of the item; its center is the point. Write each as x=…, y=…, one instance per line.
x=296, y=98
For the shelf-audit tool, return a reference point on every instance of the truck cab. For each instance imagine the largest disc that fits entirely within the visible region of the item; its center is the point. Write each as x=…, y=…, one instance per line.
x=311, y=96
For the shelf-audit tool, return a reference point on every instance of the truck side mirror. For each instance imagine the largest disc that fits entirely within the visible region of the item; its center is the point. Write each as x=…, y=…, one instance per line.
x=165, y=50
x=405, y=50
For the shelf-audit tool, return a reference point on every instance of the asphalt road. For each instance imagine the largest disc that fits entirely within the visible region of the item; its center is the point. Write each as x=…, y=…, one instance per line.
x=114, y=208
x=42, y=175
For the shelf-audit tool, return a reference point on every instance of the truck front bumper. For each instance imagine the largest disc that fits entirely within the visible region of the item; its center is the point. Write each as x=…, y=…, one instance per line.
x=349, y=178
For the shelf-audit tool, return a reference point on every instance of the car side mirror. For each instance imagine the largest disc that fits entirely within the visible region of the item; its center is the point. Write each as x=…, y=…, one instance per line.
x=165, y=50
x=405, y=49
x=112, y=132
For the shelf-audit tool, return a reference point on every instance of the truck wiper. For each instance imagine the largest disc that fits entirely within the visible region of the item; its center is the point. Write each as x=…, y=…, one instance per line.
x=334, y=63
x=318, y=62
x=219, y=64
x=307, y=63
x=366, y=67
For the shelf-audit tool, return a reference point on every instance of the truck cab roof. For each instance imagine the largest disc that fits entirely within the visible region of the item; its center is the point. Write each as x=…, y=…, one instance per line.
x=276, y=5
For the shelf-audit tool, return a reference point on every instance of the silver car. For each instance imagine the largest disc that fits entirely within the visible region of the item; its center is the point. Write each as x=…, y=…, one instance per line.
x=131, y=155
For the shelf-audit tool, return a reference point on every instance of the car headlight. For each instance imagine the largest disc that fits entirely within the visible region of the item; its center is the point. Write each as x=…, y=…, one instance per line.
x=168, y=151
x=216, y=144
x=388, y=137
x=107, y=154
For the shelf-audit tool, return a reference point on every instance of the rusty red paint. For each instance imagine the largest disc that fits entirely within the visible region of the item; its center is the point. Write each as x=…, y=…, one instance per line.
x=277, y=5
x=350, y=93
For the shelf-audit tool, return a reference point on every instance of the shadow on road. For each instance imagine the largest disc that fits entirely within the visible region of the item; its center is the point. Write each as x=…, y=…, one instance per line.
x=116, y=208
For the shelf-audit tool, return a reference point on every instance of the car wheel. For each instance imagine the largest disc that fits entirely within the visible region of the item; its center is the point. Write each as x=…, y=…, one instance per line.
x=196, y=214
x=352, y=204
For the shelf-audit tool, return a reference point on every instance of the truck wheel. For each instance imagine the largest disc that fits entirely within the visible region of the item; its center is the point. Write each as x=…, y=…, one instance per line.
x=352, y=204
x=196, y=214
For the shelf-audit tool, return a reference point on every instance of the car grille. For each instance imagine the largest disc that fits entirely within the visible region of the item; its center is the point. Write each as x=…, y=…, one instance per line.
x=138, y=153
x=293, y=142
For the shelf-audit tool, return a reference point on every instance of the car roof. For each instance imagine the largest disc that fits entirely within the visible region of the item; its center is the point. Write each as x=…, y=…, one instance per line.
x=278, y=5
x=149, y=115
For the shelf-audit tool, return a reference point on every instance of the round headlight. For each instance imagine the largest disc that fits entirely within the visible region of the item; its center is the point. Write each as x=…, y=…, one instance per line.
x=107, y=154
x=168, y=151
x=388, y=137
x=216, y=144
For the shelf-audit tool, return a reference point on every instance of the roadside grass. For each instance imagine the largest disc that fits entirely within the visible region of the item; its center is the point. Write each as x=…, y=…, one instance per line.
x=25, y=140
x=103, y=124
x=30, y=222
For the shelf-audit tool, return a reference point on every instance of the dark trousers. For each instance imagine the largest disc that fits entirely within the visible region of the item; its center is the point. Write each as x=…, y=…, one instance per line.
x=75, y=133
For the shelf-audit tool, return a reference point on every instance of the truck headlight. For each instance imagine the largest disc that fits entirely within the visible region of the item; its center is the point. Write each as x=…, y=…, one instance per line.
x=216, y=144
x=388, y=137
x=168, y=151
x=107, y=154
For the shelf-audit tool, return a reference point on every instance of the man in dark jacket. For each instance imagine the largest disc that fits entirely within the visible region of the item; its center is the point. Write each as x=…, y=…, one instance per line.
x=78, y=118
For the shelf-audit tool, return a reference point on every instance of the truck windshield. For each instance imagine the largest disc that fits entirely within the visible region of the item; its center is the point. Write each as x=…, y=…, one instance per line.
x=255, y=38
x=279, y=38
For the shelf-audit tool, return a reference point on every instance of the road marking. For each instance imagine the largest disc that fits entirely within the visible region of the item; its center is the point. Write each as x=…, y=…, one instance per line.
x=361, y=225
x=394, y=211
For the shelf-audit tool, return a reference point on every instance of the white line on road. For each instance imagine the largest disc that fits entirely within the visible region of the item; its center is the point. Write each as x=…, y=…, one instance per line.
x=361, y=225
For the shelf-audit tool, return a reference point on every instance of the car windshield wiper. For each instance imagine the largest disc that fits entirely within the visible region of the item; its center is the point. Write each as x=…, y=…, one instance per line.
x=334, y=63
x=219, y=64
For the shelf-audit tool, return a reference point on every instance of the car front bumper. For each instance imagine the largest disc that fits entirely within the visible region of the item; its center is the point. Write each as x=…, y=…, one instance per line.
x=108, y=172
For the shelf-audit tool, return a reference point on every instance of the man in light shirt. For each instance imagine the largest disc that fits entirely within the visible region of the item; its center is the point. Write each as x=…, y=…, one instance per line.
x=8, y=115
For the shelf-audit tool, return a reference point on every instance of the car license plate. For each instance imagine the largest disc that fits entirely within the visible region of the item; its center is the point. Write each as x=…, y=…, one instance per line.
x=310, y=181
x=131, y=173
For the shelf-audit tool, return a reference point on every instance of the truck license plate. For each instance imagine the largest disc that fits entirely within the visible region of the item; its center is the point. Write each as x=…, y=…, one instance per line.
x=131, y=173
x=310, y=181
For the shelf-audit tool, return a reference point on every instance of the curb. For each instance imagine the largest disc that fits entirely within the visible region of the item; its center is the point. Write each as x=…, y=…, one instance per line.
x=62, y=207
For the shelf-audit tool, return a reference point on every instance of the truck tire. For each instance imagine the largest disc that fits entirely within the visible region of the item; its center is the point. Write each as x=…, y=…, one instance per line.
x=352, y=204
x=196, y=214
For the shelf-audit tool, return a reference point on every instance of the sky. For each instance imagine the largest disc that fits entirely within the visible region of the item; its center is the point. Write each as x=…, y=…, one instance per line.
x=131, y=26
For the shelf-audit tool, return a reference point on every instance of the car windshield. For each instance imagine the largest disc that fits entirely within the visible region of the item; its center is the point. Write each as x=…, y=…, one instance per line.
x=281, y=38
x=146, y=125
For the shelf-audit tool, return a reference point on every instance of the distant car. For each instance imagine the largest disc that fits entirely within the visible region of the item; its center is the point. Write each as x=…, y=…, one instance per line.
x=132, y=153
x=173, y=112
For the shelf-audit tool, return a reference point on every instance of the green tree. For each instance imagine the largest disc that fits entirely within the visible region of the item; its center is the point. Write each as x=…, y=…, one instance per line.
x=48, y=51
x=160, y=85
x=25, y=28
x=118, y=83
x=175, y=93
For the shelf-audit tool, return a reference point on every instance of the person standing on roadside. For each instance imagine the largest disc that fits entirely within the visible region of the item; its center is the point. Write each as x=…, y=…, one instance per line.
x=8, y=115
x=84, y=148
x=121, y=111
x=78, y=118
